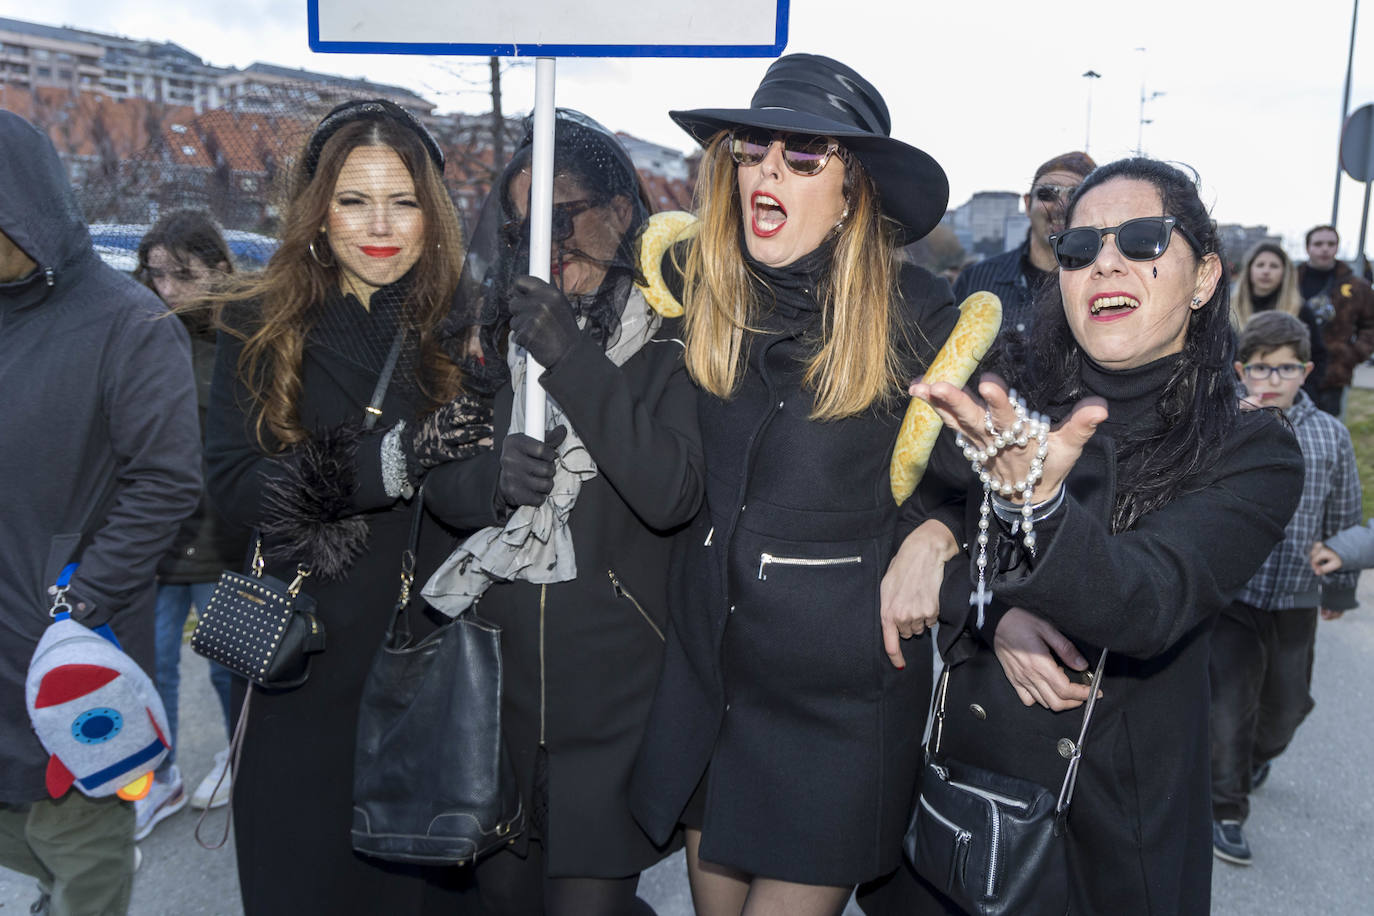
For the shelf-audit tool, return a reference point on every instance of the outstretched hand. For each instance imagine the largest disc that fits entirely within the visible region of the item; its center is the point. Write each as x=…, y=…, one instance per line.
x=541, y=320
x=966, y=414
x=1030, y=649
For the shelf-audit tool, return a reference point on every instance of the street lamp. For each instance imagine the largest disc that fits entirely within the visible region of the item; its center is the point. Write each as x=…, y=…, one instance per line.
x=1144, y=97
x=1088, y=136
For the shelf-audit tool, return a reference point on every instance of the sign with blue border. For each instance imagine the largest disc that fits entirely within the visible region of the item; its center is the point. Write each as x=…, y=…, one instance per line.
x=550, y=28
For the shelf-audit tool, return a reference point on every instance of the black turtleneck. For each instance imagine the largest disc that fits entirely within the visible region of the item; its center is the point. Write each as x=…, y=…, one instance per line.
x=1264, y=303
x=1131, y=394
x=791, y=288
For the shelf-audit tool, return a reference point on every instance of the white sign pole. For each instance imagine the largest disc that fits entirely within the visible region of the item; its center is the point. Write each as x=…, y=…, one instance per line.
x=541, y=226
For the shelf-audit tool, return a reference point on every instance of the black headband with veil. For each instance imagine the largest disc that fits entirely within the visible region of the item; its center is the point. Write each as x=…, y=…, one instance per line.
x=393, y=318
x=599, y=213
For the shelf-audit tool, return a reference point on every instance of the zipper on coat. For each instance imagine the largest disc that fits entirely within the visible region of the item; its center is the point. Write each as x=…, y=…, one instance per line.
x=543, y=593
x=769, y=559
x=620, y=592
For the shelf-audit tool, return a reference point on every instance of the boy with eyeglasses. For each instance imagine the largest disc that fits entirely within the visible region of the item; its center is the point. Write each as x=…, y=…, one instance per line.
x=1262, y=646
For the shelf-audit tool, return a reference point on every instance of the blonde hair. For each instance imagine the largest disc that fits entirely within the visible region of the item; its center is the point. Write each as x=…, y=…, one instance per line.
x=1289, y=300
x=858, y=359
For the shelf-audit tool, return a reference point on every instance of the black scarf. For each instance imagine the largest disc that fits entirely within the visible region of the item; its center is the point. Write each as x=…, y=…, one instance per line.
x=793, y=290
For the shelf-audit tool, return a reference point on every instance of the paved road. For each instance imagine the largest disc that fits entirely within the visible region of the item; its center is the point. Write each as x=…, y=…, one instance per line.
x=1311, y=827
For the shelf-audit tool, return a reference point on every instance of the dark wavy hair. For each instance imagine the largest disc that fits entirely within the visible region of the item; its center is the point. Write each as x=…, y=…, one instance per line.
x=1197, y=408
x=185, y=234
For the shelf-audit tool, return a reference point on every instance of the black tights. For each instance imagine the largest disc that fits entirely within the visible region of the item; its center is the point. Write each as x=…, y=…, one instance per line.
x=510, y=885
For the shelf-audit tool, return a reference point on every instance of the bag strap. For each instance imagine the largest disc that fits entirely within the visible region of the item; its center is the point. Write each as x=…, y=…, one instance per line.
x=1071, y=776
x=399, y=624
x=372, y=412
x=230, y=770
x=374, y=407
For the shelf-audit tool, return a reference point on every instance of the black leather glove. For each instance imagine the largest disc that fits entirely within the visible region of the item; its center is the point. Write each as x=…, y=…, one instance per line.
x=459, y=429
x=541, y=320
x=527, y=467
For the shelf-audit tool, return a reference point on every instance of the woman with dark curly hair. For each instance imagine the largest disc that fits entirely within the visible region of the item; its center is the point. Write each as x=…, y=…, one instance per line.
x=342, y=324
x=1127, y=527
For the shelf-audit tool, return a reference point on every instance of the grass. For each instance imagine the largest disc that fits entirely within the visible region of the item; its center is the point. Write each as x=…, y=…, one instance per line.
x=1359, y=418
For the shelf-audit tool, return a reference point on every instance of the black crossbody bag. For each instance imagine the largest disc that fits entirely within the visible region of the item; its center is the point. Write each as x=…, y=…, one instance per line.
x=993, y=843
x=260, y=627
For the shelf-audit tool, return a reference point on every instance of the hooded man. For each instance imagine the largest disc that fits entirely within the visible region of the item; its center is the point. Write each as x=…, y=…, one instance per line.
x=100, y=458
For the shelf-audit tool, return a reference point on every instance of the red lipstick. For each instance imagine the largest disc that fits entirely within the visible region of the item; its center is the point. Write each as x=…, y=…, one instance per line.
x=762, y=202
x=379, y=251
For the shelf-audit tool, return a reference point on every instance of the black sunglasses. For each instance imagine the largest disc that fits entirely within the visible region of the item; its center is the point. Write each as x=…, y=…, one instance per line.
x=561, y=225
x=1054, y=193
x=802, y=154
x=1141, y=239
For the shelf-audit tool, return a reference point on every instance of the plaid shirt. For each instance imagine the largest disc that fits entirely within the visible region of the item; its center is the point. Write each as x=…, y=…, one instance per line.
x=1330, y=503
x=1002, y=275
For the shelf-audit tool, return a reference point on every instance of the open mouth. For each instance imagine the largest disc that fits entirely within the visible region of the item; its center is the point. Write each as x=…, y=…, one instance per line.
x=769, y=215
x=380, y=251
x=1113, y=306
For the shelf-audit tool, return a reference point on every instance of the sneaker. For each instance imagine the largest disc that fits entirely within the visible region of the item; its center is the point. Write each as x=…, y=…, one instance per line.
x=164, y=799
x=42, y=905
x=1260, y=774
x=1228, y=843
x=211, y=793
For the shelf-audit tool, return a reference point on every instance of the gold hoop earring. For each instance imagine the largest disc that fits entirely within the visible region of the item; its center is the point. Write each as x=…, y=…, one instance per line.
x=315, y=255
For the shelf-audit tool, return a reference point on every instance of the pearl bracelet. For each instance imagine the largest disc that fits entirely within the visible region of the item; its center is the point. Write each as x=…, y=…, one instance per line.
x=1009, y=511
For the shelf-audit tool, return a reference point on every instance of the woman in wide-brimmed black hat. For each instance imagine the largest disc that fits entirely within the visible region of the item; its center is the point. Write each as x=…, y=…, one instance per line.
x=784, y=735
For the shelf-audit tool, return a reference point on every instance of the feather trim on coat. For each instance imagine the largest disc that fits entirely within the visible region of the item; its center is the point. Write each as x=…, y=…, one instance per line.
x=307, y=516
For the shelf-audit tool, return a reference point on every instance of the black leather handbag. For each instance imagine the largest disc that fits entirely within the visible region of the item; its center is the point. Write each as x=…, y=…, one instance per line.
x=993, y=843
x=432, y=782
x=260, y=627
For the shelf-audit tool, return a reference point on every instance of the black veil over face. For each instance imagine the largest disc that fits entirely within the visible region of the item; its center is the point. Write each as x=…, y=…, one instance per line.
x=599, y=213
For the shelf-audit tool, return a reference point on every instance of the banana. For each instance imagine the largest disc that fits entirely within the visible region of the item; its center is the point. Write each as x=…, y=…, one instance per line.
x=663, y=231
x=980, y=318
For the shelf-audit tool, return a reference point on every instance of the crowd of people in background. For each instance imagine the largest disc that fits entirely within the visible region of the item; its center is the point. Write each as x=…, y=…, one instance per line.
x=716, y=620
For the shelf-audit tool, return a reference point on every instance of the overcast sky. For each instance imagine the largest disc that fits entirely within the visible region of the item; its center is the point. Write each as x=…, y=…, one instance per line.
x=990, y=88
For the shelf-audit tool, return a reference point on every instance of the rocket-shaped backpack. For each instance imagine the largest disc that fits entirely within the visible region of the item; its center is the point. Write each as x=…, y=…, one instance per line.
x=94, y=710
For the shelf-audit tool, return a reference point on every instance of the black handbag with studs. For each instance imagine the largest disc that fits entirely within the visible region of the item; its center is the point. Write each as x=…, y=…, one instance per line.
x=260, y=627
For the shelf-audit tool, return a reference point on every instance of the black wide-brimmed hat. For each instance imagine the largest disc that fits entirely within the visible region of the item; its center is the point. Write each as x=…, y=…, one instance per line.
x=815, y=95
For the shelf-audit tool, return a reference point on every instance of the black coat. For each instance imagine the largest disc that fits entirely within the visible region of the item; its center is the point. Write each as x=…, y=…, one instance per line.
x=206, y=545
x=99, y=444
x=775, y=679
x=293, y=793
x=582, y=657
x=1140, y=821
